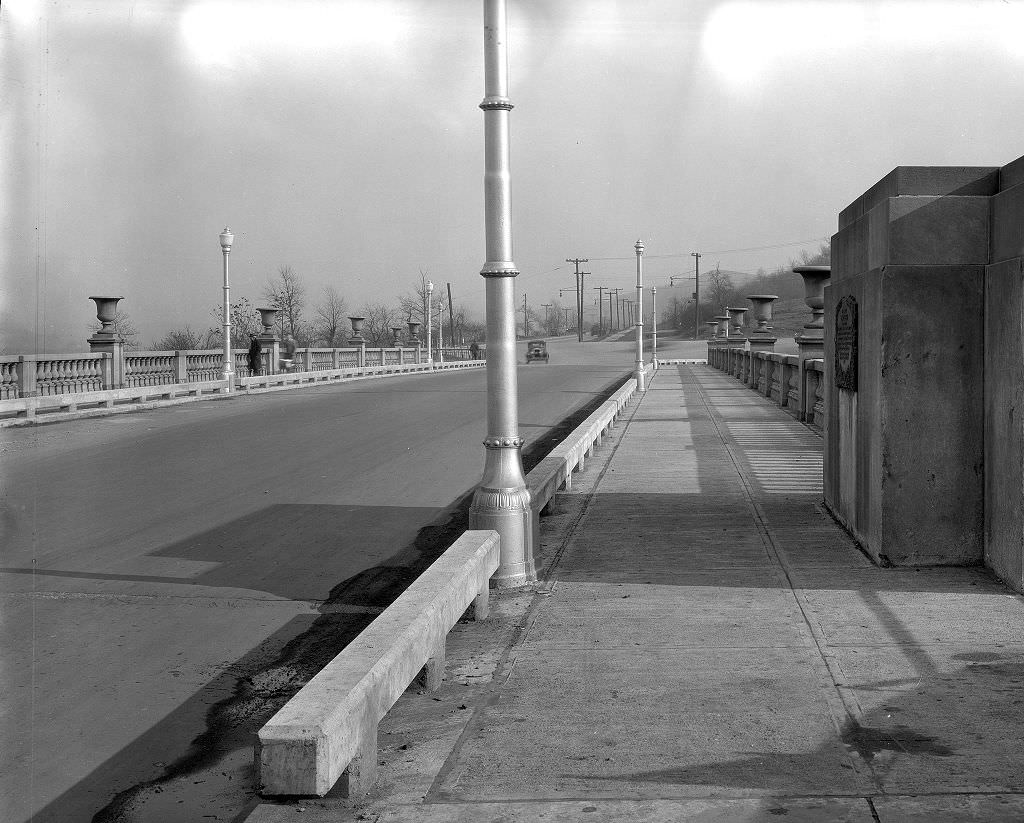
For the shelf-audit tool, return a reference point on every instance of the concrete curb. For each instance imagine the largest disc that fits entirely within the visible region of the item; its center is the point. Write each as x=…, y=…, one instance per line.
x=330, y=725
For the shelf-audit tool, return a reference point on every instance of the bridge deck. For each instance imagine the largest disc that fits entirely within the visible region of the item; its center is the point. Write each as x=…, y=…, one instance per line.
x=712, y=646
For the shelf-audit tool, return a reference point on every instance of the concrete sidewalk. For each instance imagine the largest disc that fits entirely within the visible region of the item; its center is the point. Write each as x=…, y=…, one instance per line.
x=707, y=645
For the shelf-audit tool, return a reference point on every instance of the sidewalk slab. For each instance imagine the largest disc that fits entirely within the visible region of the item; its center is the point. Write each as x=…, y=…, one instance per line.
x=708, y=645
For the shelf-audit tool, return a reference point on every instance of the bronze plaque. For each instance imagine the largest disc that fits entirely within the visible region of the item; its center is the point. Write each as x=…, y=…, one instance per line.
x=846, y=343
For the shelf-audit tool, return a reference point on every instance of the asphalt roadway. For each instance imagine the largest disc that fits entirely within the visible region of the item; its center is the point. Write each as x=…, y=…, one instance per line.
x=170, y=575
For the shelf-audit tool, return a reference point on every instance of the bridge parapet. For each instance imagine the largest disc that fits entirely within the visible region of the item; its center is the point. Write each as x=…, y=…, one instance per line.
x=778, y=378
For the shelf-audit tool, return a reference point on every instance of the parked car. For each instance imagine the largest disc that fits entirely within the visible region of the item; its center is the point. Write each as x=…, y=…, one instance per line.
x=536, y=350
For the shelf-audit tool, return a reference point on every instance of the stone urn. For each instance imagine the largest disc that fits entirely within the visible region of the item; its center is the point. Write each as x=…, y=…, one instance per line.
x=268, y=317
x=722, y=322
x=762, y=312
x=106, y=311
x=414, y=330
x=712, y=328
x=396, y=332
x=357, y=326
x=736, y=320
x=815, y=280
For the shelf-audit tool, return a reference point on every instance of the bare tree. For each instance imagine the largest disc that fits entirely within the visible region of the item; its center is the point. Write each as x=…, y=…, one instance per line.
x=720, y=289
x=245, y=324
x=379, y=319
x=554, y=322
x=533, y=323
x=183, y=340
x=287, y=294
x=414, y=306
x=330, y=317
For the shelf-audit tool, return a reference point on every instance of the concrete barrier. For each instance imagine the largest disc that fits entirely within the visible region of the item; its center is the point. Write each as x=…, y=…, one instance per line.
x=91, y=403
x=555, y=471
x=328, y=730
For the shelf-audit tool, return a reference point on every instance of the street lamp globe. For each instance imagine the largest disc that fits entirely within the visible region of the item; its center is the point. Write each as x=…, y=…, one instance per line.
x=226, y=239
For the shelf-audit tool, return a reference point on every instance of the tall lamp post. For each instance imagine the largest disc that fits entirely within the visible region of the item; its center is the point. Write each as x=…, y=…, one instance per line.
x=654, y=326
x=440, y=331
x=501, y=501
x=640, y=386
x=430, y=320
x=228, y=369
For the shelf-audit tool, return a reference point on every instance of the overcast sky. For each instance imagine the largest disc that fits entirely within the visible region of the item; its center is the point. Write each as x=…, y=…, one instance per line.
x=343, y=138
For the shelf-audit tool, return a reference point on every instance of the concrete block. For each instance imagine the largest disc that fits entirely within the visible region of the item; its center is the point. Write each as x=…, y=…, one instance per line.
x=922, y=231
x=1004, y=406
x=330, y=725
x=931, y=406
x=963, y=181
x=1007, y=224
x=1012, y=174
x=912, y=230
x=433, y=670
x=902, y=463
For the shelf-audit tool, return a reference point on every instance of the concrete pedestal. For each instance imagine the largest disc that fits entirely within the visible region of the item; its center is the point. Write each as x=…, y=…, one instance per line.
x=114, y=346
x=1004, y=380
x=904, y=439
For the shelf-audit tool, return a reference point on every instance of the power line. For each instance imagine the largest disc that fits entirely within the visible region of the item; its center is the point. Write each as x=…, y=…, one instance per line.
x=717, y=251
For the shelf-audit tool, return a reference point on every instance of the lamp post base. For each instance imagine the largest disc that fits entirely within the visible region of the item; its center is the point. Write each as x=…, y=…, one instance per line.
x=502, y=503
x=507, y=511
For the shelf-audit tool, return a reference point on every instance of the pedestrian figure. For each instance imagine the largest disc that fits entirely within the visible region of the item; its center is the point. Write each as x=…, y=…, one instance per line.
x=255, y=357
x=289, y=353
x=474, y=349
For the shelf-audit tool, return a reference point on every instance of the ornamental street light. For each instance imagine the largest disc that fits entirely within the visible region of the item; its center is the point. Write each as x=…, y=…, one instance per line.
x=501, y=501
x=430, y=321
x=228, y=368
x=640, y=375
x=440, y=331
x=654, y=326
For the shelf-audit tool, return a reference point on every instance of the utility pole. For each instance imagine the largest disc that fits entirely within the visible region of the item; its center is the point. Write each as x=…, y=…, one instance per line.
x=696, y=297
x=451, y=315
x=526, y=318
x=600, y=306
x=561, y=293
x=579, y=293
x=547, y=322
x=580, y=324
x=618, y=309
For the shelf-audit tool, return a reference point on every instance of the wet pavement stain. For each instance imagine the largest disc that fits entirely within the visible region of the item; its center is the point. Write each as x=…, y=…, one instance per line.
x=978, y=657
x=870, y=741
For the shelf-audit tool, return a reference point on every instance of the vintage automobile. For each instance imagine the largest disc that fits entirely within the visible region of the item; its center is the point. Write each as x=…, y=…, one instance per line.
x=536, y=350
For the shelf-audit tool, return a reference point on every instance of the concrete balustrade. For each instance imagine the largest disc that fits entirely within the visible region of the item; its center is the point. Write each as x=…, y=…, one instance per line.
x=328, y=730
x=23, y=376
x=49, y=403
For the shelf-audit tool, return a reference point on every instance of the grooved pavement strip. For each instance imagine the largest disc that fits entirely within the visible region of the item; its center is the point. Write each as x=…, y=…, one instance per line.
x=710, y=646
